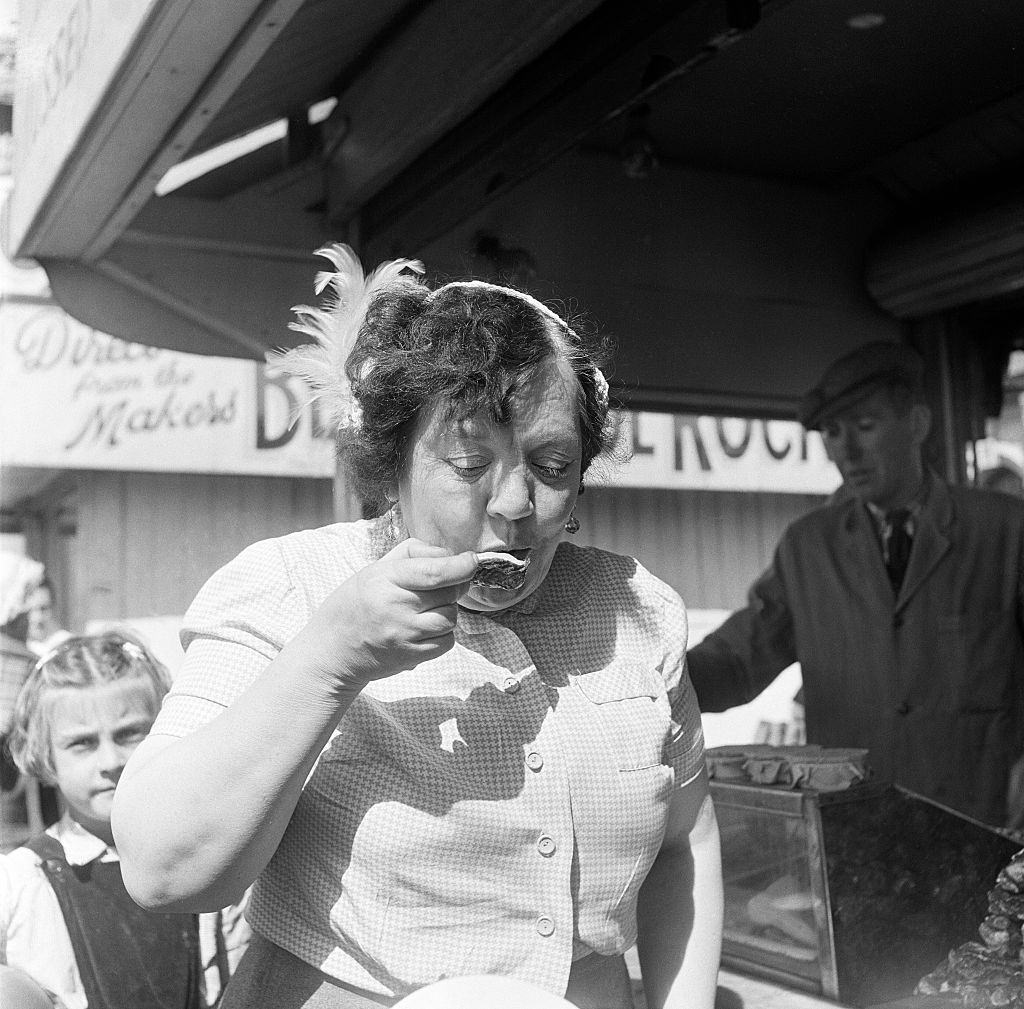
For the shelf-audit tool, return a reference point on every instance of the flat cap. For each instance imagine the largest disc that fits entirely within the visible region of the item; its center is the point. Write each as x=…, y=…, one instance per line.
x=858, y=374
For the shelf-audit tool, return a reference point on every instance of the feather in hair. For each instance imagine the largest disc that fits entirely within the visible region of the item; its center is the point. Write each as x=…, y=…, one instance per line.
x=334, y=327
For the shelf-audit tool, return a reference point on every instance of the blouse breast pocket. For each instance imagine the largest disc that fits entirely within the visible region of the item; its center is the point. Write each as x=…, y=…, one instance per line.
x=631, y=709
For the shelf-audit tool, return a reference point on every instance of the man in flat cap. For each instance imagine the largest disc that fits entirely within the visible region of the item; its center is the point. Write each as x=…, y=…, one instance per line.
x=902, y=599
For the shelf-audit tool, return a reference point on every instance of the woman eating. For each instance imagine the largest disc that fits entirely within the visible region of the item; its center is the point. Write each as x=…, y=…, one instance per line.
x=445, y=741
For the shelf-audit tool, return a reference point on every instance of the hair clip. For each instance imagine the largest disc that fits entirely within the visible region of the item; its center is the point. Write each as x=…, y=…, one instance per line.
x=533, y=302
x=133, y=651
x=48, y=656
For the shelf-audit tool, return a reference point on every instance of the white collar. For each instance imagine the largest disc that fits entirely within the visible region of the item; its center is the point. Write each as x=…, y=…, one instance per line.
x=80, y=847
x=48, y=644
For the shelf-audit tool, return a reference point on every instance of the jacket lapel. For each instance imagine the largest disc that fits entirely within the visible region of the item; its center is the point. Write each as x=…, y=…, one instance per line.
x=931, y=541
x=864, y=552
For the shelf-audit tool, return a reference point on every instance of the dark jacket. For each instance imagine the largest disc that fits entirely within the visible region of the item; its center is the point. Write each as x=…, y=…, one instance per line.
x=930, y=681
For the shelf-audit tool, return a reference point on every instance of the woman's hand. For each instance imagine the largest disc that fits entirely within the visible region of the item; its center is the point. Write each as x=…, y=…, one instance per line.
x=392, y=615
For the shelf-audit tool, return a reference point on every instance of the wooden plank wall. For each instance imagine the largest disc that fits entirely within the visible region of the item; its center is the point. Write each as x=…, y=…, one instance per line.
x=148, y=541
x=708, y=545
x=49, y=524
x=145, y=542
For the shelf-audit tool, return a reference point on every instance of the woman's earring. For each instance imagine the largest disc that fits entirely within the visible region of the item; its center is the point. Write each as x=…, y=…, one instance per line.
x=572, y=524
x=395, y=525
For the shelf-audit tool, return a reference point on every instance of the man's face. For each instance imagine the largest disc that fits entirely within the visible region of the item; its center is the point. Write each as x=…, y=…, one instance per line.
x=877, y=448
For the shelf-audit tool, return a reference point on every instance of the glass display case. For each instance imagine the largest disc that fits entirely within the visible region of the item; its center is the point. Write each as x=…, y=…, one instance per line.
x=853, y=895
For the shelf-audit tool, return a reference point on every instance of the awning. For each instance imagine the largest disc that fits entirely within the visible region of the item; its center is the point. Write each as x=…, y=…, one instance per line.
x=713, y=181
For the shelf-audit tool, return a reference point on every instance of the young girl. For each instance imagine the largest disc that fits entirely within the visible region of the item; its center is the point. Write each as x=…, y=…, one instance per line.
x=66, y=920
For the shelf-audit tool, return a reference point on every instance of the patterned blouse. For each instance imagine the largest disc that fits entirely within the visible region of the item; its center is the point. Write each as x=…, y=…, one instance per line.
x=493, y=810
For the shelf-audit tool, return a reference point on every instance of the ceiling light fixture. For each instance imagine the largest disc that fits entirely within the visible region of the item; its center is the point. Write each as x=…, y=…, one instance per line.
x=866, y=21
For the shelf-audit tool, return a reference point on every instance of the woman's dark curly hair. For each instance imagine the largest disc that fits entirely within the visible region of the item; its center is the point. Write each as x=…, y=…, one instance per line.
x=471, y=346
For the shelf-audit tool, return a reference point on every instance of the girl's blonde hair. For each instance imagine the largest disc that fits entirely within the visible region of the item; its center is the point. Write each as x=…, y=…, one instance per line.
x=78, y=662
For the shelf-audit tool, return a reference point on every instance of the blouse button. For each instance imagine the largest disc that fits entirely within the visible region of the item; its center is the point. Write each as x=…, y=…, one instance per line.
x=511, y=685
x=546, y=846
x=545, y=926
x=534, y=761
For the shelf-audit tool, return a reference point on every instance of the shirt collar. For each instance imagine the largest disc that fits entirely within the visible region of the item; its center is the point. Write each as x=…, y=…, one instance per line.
x=912, y=507
x=81, y=847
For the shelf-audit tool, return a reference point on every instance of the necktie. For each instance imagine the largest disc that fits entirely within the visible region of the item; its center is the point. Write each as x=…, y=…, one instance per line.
x=899, y=546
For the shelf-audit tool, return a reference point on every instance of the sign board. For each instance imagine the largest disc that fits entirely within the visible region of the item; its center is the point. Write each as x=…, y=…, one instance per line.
x=686, y=451
x=69, y=52
x=73, y=398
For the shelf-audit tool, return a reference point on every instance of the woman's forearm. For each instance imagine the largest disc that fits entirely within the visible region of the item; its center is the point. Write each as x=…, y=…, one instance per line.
x=679, y=918
x=197, y=819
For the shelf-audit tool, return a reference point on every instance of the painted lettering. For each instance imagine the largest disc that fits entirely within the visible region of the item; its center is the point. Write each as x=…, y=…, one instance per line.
x=111, y=423
x=169, y=374
x=92, y=384
x=101, y=425
x=223, y=413
x=733, y=450
x=777, y=453
x=41, y=341
x=54, y=70
x=90, y=347
x=279, y=384
x=638, y=447
x=682, y=422
x=49, y=340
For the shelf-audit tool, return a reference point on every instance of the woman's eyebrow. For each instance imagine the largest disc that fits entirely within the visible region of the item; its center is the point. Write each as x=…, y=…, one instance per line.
x=555, y=434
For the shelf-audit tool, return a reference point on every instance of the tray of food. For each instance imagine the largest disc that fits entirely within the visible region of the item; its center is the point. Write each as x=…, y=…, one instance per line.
x=823, y=769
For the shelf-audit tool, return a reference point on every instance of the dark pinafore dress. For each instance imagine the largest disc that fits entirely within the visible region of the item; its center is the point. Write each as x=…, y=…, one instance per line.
x=128, y=958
